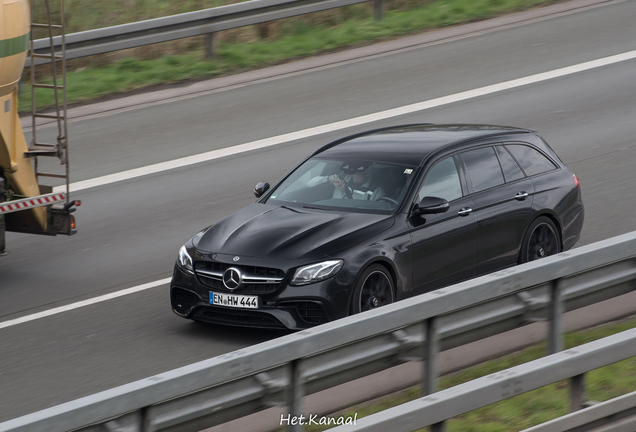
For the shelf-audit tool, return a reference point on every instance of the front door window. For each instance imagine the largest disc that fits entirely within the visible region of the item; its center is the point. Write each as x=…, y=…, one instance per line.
x=442, y=181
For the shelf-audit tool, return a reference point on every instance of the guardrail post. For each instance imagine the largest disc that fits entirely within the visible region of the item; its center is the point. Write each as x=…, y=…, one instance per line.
x=430, y=348
x=555, y=318
x=209, y=45
x=379, y=12
x=146, y=420
x=438, y=427
x=577, y=392
x=295, y=395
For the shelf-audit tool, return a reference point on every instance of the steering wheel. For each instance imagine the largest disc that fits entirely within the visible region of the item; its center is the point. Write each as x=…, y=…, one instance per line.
x=348, y=193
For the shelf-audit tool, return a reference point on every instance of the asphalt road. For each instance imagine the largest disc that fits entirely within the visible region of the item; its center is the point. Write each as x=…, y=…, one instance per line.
x=130, y=231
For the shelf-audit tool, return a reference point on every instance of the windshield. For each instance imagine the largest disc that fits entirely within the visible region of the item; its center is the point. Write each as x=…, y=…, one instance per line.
x=351, y=185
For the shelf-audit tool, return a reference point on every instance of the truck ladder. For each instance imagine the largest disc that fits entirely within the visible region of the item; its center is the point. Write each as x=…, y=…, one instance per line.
x=57, y=60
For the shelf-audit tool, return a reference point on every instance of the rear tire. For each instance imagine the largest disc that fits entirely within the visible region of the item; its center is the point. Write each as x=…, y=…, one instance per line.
x=374, y=289
x=541, y=240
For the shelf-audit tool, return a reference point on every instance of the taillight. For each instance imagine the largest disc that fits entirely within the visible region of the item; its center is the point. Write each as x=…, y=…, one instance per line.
x=576, y=181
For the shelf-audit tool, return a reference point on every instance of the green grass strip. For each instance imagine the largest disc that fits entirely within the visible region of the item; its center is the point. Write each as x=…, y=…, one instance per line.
x=354, y=25
x=528, y=409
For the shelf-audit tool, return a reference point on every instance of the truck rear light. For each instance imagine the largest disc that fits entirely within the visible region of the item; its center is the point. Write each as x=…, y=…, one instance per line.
x=72, y=222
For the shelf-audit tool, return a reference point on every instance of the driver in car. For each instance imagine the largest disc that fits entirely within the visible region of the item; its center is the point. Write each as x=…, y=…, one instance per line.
x=355, y=186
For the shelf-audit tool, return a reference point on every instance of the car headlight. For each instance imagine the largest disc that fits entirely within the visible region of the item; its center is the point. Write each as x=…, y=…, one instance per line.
x=316, y=272
x=185, y=260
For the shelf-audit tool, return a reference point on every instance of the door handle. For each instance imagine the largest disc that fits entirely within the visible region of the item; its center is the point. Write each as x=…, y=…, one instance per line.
x=520, y=196
x=464, y=211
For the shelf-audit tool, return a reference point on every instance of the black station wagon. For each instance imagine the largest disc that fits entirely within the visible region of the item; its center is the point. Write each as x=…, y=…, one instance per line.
x=378, y=217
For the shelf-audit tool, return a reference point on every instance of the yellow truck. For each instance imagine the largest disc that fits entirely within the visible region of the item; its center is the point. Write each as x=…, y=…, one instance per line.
x=25, y=204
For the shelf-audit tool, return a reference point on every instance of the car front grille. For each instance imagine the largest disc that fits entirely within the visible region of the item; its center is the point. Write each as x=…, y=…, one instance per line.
x=256, y=280
x=182, y=300
x=236, y=317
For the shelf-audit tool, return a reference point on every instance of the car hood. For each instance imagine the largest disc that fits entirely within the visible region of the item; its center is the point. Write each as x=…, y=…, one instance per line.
x=263, y=230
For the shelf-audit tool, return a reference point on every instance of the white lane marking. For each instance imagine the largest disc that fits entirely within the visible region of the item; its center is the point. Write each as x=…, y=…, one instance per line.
x=61, y=309
x=344, y=124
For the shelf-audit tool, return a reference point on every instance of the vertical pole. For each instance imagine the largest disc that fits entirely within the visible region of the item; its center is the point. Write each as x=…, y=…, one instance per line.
x=64, y=103
x=32, y=70
x=431, y=348
x=296, y=394
x=379, y=12
x=209, y=45
x=54, y=66
x=577, y=392
x=555, y=319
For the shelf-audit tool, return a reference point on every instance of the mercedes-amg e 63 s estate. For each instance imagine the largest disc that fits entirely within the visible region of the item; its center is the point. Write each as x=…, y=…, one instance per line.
x=378, y=217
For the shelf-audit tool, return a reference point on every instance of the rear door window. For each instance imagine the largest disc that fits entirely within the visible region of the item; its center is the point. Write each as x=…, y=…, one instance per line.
x=510, y=168
x=483, y=168
x=530, y=159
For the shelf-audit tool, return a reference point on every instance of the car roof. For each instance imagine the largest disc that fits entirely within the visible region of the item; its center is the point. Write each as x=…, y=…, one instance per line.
x=409, y=144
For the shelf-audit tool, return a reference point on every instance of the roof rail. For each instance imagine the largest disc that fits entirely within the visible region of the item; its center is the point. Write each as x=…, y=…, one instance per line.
x=361, y=134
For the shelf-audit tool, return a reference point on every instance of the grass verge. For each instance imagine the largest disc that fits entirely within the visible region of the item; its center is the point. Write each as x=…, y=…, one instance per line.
x=298, y=37
x=528, y=409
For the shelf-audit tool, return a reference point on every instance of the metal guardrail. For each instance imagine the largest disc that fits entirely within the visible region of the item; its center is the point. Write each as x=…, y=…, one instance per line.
x=203, y=22
x=282, y=371
x=572, y=364
x=617, y=415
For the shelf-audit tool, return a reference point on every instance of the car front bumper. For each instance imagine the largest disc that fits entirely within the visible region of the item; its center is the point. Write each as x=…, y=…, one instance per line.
x=287, y=307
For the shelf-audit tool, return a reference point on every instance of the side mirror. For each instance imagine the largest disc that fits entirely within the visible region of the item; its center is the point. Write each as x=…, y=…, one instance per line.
x=260, y=189
x=430, y=205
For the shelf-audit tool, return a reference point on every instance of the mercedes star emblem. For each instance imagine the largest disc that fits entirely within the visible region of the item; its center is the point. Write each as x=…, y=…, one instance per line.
x=232, y=278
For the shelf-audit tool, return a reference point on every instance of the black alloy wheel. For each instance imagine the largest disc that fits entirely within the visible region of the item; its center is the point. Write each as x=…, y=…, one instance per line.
x=541, y=240
x=374, y=289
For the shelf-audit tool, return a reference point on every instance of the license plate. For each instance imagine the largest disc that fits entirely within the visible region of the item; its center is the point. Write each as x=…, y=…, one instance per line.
x=234, y=300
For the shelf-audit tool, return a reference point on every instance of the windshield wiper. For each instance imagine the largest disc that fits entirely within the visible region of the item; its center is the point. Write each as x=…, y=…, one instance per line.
x=289, y=208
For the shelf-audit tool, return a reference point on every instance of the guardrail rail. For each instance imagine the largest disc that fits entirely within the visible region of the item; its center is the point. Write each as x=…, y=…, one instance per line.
x=203, y=22
x=572, y=364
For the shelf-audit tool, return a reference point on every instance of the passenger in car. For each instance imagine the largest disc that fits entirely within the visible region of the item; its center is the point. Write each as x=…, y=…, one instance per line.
x=356, y=186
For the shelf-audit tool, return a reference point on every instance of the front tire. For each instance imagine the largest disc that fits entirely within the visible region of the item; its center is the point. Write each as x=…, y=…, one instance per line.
x=374, y=289
x=541, y=240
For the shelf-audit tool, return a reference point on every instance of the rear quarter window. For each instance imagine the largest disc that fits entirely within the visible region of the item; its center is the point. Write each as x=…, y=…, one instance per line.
x=510, y=168
x=531, y=160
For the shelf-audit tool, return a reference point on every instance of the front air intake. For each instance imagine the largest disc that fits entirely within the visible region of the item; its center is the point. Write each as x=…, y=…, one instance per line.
x=183, y=300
